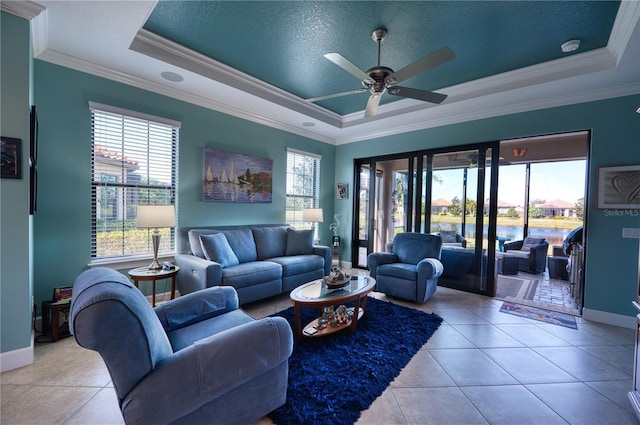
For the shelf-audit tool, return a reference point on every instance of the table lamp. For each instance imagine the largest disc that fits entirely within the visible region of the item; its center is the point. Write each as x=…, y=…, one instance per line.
x=313, y=215
x=155, y=217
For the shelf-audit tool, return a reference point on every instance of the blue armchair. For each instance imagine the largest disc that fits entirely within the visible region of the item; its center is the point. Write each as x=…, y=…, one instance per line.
x=531, y=253
x=195, y=359
x=411, y=269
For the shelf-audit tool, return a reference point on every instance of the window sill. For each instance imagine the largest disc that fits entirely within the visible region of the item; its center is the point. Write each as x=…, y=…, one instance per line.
x=130, y=262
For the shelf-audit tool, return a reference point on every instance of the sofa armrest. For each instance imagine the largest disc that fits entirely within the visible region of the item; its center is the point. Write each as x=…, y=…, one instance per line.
x=376, y=259
x=208, y=369
x=197, y=273
x=196, y=307
x=429, y=268
x=326, y=253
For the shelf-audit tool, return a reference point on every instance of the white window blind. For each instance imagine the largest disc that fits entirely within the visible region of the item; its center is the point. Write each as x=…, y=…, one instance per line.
x=303, y=183
x=133, y=162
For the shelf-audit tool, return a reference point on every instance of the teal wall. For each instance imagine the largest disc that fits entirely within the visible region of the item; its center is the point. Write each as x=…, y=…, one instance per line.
x=62, y=224
x=15, y=282
x=612, y=262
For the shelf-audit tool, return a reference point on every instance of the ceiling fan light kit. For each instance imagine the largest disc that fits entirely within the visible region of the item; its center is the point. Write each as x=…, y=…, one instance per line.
x=380, y=79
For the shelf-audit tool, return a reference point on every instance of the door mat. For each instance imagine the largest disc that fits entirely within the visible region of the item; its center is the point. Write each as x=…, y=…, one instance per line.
x=516, y=288
x=540, y=314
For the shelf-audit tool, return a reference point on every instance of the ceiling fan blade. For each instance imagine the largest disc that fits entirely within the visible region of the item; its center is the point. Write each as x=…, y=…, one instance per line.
x=330, y=96
x=372, y=105
x=344, y=63
x=427, y=96
x=433, y=59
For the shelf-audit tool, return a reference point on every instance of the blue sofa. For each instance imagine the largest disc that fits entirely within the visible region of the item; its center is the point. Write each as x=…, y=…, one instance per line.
x=259, y=261
x=198, y=359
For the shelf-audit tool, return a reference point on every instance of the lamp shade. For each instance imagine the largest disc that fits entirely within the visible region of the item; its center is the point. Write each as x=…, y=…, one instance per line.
x=156, y=216
x=312, y=215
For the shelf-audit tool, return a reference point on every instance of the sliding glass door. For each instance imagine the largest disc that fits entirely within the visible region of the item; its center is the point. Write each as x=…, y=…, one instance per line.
x=444, y=191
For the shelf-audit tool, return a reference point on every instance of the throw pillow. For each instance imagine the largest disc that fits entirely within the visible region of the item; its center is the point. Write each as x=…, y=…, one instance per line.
x=530, y=242
x=299, y=242
x=216, y=248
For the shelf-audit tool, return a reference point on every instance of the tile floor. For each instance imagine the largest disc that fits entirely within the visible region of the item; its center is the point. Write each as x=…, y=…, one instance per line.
x=480, y=367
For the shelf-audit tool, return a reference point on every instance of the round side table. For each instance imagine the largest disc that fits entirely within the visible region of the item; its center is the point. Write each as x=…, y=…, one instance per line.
x=144, y=274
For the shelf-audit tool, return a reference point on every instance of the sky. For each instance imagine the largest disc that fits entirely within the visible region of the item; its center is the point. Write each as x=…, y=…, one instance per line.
x=553, y=180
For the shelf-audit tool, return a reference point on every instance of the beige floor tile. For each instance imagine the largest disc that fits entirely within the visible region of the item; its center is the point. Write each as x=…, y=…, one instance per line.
x=527, y=366
x=422, y=372
x=532, y=335
x=102, y=409
x=437, y=406
x=511, y=404
x=581, y=364
x=47, y=405
x=487, y=336
x=471, y=367
x=383, y=411
x=580, y=404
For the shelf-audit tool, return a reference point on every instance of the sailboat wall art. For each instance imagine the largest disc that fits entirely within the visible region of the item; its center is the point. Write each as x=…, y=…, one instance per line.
x=234, y=177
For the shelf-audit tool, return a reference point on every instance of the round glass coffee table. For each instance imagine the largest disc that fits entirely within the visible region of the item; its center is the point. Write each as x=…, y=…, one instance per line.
x=317, y=295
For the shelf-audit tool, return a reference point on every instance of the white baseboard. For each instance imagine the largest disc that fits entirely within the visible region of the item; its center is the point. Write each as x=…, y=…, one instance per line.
x=345, y=264
x=17, y=358
x=609, y=318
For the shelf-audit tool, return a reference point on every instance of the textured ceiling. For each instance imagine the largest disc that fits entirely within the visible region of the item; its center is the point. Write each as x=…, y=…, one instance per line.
x=282, y=43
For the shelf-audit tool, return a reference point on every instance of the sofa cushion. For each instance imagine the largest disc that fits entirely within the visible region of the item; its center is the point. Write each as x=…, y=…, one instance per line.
x=270, y=241
x=216, y=248
x=251, y=273
x=242, y=243
x=530, y=242
x=299, y=242
x=448, y=236
x=299, y=264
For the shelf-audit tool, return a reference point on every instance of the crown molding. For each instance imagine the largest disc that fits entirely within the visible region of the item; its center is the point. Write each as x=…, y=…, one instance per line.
x=81, y=65
x=22, y=9
x=152, y=45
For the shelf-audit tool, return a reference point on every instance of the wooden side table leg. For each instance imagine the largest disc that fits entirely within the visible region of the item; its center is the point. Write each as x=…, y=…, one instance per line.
x=173, y=287
x=153, y=293
x=296, y=318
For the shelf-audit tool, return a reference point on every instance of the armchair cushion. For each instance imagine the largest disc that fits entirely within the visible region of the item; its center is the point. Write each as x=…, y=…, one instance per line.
x=448, y=236
x=216, y=248
x=299, y=242
x=530, y=242
x=413, y=247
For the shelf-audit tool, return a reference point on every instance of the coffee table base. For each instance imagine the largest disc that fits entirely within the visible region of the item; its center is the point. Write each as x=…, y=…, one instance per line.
x=328, y=330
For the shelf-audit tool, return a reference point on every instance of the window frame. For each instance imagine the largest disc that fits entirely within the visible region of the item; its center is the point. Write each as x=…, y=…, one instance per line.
x=301, y=188
x=133, y=150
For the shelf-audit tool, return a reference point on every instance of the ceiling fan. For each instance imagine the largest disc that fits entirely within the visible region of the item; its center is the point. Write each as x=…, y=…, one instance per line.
x=381, y=78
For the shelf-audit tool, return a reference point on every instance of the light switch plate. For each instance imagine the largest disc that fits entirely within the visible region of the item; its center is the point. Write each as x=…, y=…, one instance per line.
x=630, y=233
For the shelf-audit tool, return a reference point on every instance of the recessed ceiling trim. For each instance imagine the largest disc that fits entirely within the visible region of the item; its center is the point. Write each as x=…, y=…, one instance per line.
x=571, y=66
x=22, y=9
x=626, y=20
x=150, y=44
x=466, y=111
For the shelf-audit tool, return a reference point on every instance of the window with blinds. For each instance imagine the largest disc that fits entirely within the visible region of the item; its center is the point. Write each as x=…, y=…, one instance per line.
x=133, y=163
x=303, y=182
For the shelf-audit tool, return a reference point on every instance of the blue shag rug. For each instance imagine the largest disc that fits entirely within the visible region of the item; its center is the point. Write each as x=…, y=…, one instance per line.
x=333, y=378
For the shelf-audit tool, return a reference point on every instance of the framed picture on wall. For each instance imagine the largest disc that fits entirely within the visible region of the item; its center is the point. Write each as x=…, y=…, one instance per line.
x=11, y=154
x=619, y=187
x=342, y=190
x=234, y=177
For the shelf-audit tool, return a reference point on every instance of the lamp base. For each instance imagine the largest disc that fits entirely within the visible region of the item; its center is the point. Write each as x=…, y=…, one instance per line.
x=155, y=265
